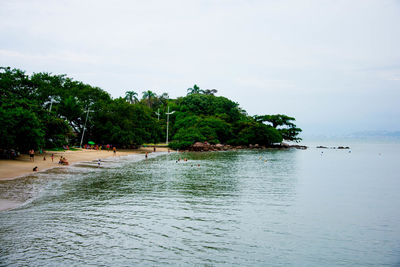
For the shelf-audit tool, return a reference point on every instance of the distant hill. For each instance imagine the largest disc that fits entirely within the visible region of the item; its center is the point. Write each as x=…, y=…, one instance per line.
x=362, y=134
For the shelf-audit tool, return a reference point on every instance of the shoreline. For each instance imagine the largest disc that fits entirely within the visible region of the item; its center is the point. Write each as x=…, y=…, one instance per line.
x=22, y=166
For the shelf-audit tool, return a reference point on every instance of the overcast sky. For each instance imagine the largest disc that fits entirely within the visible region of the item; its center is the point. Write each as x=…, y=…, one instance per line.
x=334, y=65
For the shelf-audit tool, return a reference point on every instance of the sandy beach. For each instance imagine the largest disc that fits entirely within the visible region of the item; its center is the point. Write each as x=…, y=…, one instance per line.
x=22, y=166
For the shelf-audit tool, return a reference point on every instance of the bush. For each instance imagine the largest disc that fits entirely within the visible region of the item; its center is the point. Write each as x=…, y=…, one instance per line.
x=175, y=145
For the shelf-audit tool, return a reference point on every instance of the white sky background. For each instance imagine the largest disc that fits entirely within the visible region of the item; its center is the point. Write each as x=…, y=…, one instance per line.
x=334, y=65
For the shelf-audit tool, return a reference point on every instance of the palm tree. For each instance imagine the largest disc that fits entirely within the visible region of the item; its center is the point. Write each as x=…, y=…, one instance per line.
x=163, y=98
x=210, y=91
x=148, y=95
x=195, y=90
x=130, y=96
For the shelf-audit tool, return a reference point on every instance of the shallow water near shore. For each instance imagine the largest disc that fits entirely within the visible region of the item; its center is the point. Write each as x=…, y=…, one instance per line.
x=258, y=207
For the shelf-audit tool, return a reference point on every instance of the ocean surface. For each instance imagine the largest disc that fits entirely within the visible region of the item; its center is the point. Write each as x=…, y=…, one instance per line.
x=314, y=207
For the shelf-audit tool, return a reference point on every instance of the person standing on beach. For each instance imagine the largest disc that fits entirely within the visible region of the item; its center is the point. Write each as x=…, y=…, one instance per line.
x=52, y=157
x=32, y=155
x=114, y=150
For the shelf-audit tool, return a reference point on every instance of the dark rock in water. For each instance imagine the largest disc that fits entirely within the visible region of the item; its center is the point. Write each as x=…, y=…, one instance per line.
x=343, y=147
x=199, y=146
x=299, y=147
x=285, y=146
x=322, y=147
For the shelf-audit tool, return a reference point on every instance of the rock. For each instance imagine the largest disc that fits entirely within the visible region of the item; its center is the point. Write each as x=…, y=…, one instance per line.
x=321, y=147
x=285, y=145
x=219, y=146
x=198, y=146
x=299, y=146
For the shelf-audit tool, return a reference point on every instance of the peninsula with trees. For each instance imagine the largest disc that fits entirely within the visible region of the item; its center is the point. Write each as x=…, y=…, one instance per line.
x=44, y=110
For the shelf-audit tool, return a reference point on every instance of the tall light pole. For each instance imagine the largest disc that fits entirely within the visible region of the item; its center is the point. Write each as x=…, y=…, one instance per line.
x=168, y=113
x=53, y=99
x=158, y=114
x=84, y=127
x=51, y=104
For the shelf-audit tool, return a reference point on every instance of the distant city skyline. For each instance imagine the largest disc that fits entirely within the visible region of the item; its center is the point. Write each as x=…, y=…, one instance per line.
x=333, y=65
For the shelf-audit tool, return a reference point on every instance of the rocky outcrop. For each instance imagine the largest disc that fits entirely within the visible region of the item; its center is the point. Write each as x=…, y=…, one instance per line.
x=200, y=146
x=339, y=147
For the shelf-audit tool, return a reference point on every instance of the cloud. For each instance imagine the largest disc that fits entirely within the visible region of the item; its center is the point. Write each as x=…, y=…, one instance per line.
x=59, y=57
x=295, y=57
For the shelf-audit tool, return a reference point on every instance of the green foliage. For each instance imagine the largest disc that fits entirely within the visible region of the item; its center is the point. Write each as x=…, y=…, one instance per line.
x=195, y=90
x=222, y=129
x=176, y=145
x=291, y=133
x=251, y=132
x=186, y=137
x=26, y=120
x=218, y=119
x=123, y=124
x=131, y=97
x=20, y=128
x=209, y=105
x=287, y=128
x=149, y=97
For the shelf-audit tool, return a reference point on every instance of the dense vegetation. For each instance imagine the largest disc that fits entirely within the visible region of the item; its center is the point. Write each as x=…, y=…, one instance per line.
x=45, y=110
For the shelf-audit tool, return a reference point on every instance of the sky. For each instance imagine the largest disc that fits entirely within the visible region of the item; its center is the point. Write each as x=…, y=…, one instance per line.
x=334, y=65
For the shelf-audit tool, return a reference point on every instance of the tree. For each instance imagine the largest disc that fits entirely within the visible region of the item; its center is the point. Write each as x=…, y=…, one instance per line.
x=195, y=90
x=20, y=127
x=288, y=129
x=149, y=96
x=131, y=97
x=210, y=91
x=123, y=124
x=185, y=137
x=252, y=132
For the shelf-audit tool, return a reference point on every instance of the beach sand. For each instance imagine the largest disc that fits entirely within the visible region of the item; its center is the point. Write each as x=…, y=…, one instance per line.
x=22, y=166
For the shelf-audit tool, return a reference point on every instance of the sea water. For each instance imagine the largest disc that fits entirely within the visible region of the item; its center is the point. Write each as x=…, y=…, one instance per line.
x=314, y=207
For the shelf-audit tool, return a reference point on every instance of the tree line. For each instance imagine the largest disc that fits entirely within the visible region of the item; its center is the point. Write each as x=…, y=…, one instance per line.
x=46, y=110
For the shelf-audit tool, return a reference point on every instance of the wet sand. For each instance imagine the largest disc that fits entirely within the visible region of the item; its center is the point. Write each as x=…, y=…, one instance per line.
x=22, y=166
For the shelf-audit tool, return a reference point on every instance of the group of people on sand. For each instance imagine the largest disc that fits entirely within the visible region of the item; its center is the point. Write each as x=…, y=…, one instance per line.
x=63, y=161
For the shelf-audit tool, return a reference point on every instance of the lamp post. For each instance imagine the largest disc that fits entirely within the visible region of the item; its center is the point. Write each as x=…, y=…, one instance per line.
x=53, y=99
x=168, y=113
x=84, y=127
x=51, y=104
x=158, y=114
